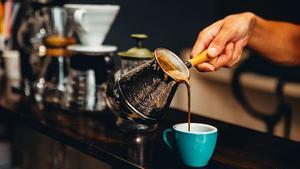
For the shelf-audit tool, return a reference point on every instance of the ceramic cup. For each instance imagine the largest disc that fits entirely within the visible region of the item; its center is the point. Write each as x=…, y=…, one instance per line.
x=194, y=147
x=91, y=22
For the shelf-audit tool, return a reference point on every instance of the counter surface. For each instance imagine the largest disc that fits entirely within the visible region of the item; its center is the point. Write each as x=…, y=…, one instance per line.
x=96, y=135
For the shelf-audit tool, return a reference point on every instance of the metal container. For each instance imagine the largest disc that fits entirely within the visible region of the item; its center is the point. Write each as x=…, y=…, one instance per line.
x=135, y=56
x=142, y=95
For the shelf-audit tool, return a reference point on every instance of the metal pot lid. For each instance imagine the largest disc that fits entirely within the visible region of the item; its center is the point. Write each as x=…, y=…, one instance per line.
x=137, y=52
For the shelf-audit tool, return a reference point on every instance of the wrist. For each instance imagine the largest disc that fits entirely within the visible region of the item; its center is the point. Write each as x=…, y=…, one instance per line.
x=252, y=25
x=252, y=21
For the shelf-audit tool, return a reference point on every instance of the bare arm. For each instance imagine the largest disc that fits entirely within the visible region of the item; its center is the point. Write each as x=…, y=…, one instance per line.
x=277, y=41
x=226, y=39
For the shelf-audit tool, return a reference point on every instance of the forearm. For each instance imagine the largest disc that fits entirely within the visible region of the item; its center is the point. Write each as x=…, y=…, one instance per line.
x=277, y=41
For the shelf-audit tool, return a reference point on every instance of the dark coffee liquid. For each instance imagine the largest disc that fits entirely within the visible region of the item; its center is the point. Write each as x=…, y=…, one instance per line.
x=188, y=87
x=180, y=77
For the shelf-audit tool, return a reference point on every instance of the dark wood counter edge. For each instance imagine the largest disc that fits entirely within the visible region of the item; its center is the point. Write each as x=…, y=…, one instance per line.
x=84, y=147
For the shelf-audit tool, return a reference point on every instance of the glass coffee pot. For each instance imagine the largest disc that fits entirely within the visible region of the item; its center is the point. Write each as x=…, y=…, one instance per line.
x=42, y=18
x=51, y=84
x=87, y=80
x=135, y=56
x=142, y=95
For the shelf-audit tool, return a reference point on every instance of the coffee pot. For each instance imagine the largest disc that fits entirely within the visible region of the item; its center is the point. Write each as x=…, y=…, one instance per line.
x=143, y=94
x=86, y=86
x=135, y=56
x=51, y=82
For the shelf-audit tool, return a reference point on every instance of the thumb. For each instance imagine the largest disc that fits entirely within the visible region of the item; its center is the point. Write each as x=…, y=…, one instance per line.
x=205, y=37
x=218, y=44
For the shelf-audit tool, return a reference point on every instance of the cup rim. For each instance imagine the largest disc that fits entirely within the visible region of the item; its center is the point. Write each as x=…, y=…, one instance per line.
x=214, y=129
x=90, y=6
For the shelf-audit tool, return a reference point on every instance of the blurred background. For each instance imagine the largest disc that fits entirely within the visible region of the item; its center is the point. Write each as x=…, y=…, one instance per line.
x=256, y=94
x=175, y=25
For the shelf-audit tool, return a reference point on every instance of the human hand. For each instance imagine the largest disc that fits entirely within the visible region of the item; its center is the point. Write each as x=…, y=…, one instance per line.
x=225, y=41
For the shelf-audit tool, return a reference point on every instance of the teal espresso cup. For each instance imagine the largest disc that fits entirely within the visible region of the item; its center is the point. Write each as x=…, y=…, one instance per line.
x=194, y=147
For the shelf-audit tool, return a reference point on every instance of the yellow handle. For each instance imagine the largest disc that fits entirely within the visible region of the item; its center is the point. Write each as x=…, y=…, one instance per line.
x=200, y=58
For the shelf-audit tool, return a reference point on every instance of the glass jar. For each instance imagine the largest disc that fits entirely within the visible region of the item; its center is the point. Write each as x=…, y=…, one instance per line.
x=50, y=86
x=87, y=81
x=43, y=24
x=135, y=56
x=130, y=59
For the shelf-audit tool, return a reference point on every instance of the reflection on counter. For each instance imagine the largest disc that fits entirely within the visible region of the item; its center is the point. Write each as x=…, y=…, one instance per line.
x=36, y=151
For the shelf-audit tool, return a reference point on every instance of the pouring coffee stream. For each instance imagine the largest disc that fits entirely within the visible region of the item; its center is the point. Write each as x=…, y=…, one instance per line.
x=141, y=96
x=167, y=65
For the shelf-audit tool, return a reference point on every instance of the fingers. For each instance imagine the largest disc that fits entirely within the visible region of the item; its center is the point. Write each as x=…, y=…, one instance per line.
x=237, y=52
x=224, y=41
x=217, y=62
x=230, y=57
x=224, y=58
x=205, y=67
x=218, y=44
x=205, y=37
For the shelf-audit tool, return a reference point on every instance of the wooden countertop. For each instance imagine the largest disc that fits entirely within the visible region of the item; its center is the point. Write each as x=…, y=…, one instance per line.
x=97, y=136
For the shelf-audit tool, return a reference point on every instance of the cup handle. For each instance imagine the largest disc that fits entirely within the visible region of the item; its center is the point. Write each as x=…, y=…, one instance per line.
x=166, y=139
x=78, y=18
